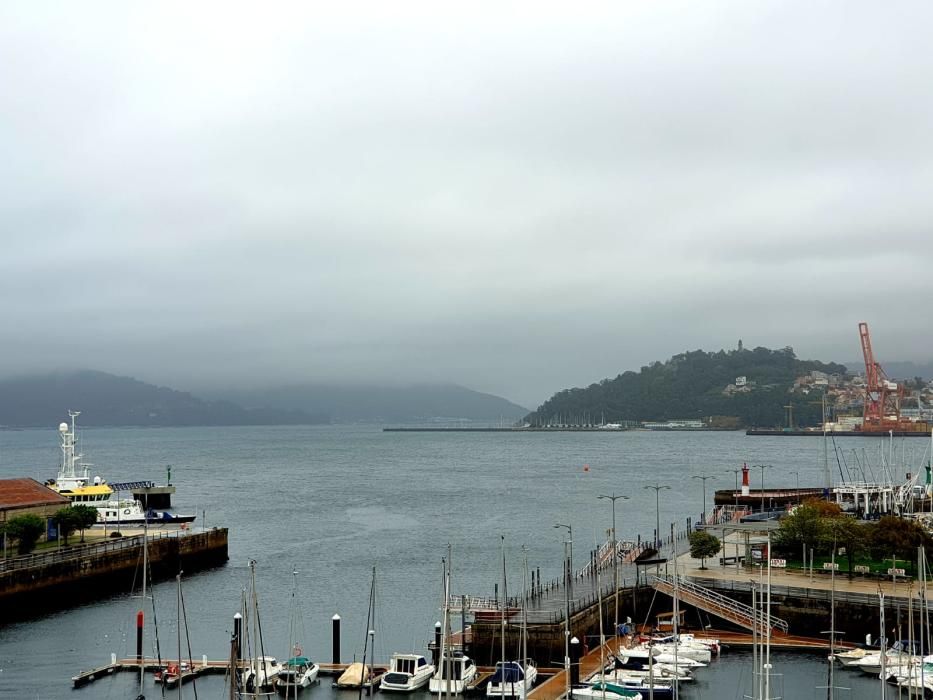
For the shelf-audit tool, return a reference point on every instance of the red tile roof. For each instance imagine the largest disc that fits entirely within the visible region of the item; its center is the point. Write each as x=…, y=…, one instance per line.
x=23, y=493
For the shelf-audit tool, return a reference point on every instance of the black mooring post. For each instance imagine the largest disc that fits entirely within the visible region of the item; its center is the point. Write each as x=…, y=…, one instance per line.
x=139, y=636
x=238, y=635
x=436, y=652
x=336, y=638
x=575, y=653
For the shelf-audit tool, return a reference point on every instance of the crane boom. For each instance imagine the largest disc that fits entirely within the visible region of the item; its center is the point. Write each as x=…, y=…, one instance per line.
x=882, y=410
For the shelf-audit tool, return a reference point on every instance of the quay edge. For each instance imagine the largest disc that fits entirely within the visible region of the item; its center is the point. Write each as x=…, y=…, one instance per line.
x=54, y=582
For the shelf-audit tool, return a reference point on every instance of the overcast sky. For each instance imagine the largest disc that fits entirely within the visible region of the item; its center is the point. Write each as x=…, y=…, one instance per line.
x=515, y=197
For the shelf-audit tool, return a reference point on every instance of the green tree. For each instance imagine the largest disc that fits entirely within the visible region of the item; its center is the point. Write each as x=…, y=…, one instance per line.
x=85, y=516
x=26, y=530
x=897, y=537
x=853, y=535
x=805, y=526
x=703, y=545
x=68, y=521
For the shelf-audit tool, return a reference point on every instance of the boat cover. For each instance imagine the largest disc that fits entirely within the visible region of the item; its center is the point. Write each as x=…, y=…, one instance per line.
x=511, y=672
x=354, y=675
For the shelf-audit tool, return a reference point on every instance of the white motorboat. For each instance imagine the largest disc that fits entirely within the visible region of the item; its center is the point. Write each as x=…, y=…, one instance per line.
x=260, y=675
x=660, y=672
x=407, y=672
x=851, y=658
x=871, y=663
x=678, y=661
x=296, y=673
x=662, y=688
x=131, y=512
x=686, y=650
x=605, y=691
x=512, y=679
x=461, y=671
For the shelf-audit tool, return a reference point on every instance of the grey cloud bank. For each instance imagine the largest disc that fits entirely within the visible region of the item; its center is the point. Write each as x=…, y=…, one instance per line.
x=514, y=197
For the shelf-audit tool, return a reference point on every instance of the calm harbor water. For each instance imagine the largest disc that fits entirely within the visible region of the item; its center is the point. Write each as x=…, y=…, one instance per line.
x=332, y=502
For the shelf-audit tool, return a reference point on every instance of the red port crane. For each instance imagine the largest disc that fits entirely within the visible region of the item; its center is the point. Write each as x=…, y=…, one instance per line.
x=883, y=397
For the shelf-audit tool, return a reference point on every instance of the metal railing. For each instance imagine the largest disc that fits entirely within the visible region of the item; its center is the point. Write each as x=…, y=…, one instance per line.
x=718, y=604
x=804, y=592
x=82, y=551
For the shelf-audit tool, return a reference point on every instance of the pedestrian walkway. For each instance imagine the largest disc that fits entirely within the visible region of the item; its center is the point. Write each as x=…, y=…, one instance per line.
x=726, y=577
x=556, y=686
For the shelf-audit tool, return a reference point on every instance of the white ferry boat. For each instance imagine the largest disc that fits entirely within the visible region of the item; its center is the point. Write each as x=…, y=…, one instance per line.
x=74, y=482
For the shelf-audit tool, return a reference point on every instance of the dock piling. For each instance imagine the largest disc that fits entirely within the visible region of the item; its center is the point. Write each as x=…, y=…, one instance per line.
x=575, y=654
x=139, y=636
x=436, y=651
x=336, y=638
x=238, y=635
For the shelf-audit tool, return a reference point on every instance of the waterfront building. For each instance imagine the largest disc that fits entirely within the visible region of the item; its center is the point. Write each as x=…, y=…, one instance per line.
x=29, y=497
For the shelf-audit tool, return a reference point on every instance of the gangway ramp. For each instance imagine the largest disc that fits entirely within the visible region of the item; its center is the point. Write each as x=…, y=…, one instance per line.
x=719, y=605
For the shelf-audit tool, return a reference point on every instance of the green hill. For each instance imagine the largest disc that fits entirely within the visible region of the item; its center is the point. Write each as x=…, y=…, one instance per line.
x=691, y=385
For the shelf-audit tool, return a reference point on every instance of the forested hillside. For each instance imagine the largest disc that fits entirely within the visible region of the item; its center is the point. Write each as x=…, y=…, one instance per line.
x=691, y=385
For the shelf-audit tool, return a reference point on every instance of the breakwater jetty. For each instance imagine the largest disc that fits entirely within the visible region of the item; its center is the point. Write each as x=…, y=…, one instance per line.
x=515, y=429
x=779, y=432
x=51, y=580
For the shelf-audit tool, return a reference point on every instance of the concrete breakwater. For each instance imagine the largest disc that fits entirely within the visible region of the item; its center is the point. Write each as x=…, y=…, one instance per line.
x=52, y=580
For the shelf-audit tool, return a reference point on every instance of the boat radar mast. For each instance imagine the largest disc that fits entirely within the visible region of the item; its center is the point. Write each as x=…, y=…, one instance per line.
x=69, y=477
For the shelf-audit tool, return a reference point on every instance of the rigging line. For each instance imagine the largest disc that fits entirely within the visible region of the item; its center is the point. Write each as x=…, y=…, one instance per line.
x=262, y=647
x=184, y=614
x=650, y=607
x=838, y=464
x=155, y=625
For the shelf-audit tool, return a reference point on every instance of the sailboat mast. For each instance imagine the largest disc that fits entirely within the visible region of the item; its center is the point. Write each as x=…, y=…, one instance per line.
x=525, y=610
x=178, y=625
x=768, y=628
x=142, y=655
x=505, y=603
x=443, y=665
x=832, y=620
x=369, y=632
x=881, y=640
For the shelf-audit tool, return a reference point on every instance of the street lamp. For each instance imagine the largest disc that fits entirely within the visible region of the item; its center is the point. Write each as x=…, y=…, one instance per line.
x=762, y=467
x=704, y=477
x=569, y=529
x=657, y=511
x=615, y=556
x=569, y=565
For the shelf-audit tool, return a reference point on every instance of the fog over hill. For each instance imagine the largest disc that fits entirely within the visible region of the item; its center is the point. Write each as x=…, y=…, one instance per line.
x=107, y=399
x=406, y=404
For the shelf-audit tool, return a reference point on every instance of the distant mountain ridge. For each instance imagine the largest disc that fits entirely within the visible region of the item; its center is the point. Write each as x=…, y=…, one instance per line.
x=110, y=400
x=417, y=403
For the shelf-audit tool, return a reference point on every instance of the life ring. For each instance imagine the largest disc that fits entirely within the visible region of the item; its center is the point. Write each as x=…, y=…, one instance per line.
x=126, y=511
